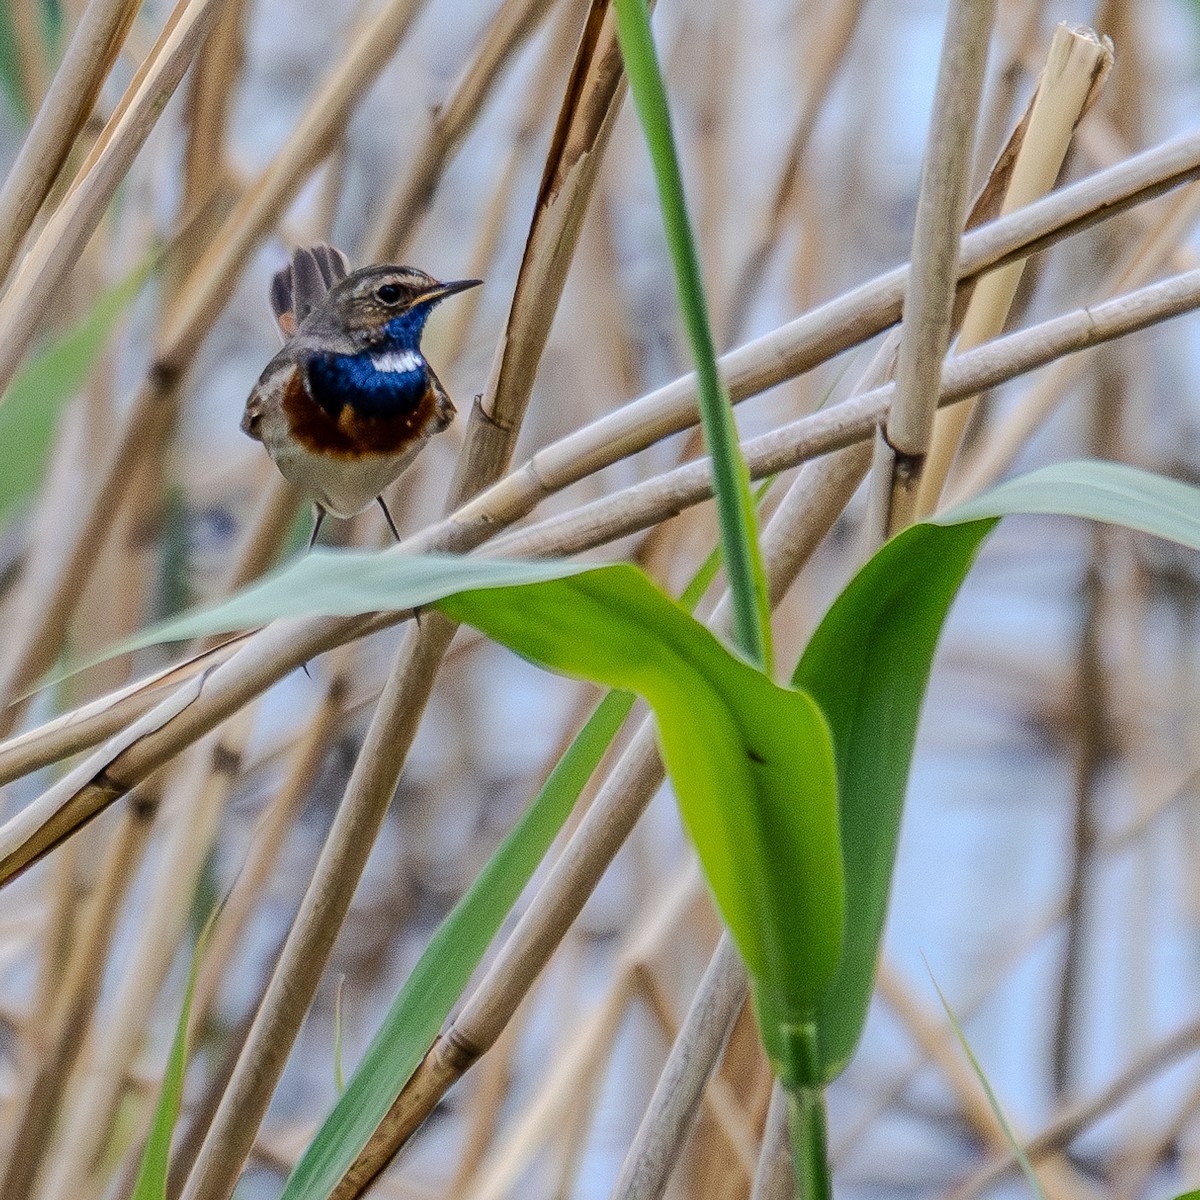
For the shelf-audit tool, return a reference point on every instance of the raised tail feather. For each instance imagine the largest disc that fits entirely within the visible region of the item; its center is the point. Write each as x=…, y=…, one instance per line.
x=302, y=284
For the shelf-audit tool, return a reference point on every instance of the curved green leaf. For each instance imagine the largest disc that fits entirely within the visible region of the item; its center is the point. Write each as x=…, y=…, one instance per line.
x=344, y=583
x=868, y=665
x=750, y=761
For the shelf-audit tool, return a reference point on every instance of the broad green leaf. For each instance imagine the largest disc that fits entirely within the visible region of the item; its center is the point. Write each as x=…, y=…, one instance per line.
x=992, y=1099
x=868, y=665
x=10, y=66
x=156, y=1157
x=750, y=762
x=453, y=953
x=731, y=480
x=34, y=402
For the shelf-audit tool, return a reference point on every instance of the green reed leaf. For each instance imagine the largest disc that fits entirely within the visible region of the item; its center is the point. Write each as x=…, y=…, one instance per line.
x=33, y=404
x=731, y=480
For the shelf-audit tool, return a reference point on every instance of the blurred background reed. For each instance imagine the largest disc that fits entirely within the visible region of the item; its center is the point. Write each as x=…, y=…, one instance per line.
x=1047, y=870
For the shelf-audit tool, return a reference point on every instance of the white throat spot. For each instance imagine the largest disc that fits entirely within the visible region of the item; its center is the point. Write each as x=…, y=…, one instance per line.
x=400, y=362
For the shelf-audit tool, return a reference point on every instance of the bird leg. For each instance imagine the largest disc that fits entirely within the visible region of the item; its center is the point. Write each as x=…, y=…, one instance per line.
x=388, y=515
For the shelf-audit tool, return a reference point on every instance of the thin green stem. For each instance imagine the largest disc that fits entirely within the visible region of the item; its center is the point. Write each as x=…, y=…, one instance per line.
x=731, y=481
x=806, y=1123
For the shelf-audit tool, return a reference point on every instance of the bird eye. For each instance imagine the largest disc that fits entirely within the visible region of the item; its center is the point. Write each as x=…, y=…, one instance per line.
x=388, y=293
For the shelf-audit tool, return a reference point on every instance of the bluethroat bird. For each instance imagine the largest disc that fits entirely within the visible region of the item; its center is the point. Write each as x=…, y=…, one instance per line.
x=349, y=401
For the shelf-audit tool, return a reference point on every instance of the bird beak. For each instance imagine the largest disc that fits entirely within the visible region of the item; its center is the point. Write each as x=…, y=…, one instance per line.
x=442, y=290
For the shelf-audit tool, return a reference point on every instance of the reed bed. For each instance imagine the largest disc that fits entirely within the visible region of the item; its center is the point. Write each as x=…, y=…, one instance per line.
x=331, y=786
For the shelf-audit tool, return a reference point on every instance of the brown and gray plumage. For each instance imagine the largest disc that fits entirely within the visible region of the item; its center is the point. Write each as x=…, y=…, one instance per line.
x=349, y=401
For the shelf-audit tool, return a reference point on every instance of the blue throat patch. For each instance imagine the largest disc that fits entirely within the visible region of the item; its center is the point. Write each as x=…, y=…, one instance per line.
x=336, y=380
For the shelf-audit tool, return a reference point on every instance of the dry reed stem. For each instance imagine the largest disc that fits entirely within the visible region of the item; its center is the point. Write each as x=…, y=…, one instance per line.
x=726, y=1109
x=573, y=1072
x=87, y=61
x=203, y=794
x=820, y=334
x=265, y=656
x=210, y=95
x=823, y=56
x=563, y=37
x=929, y=297
x=1076, y=67
x=304, y=762
x=675, y=1106
x=592, y=100
x=27, y=36
x=484, y=1106
x=63, y=1039
x=36, y=645
x=997, y=452
x=249, y=560
x=1068, y=1125
x=206, y=779
x=514, y=24
x=84, y=727
x=61, y=242
x=774, y=1179
x=206, y=292
x=588, y=1045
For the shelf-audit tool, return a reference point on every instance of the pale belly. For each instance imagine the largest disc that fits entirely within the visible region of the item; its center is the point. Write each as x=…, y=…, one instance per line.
x=342, y=486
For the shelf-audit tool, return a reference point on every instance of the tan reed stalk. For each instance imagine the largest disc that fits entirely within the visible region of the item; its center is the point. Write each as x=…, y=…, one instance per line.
x=484, y=1105
x=265, y=532
x=265, y=656
x=793, y=348
x=675, y=1104
x=902, y=445
x=99, y=719
x=514, y=24
x=33, y=1133
x=823, y=56
x=89, y=57
x=61, y=241
x=206, y=779
x=996, y=453
x=210, y=94
x=774, y=1179
x=592, y=101
x=531, y=117
x=30, y=53
x=1076, y=67
x=575, y=1069
x=1019, y=40
x=587, y=1046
